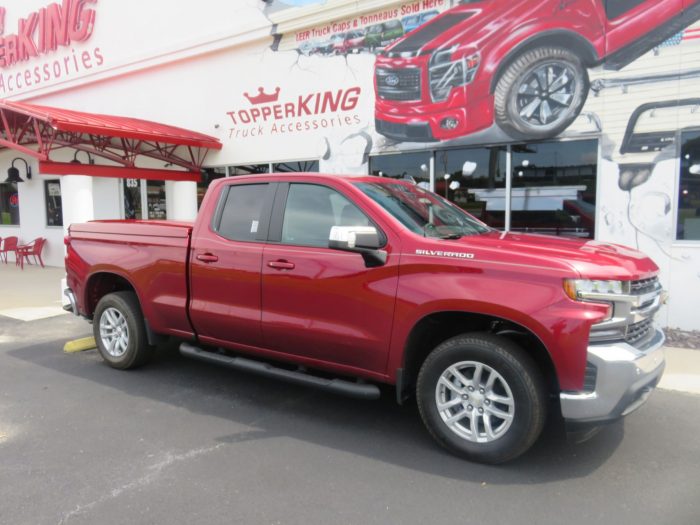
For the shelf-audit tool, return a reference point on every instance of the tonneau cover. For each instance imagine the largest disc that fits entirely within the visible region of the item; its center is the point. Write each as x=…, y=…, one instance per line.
x=176, y=229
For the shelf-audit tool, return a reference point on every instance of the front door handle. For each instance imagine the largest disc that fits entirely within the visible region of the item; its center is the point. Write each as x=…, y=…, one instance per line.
x=281, y=265
x=207, y=257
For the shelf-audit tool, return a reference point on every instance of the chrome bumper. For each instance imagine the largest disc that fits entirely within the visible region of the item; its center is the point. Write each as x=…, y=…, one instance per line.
x=625, y=377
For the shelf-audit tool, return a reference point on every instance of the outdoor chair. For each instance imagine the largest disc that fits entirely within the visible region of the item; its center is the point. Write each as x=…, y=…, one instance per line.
x=9, y=245
x=31, y=249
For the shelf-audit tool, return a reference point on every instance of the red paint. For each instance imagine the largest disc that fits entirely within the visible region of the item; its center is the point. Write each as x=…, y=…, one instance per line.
x=324, y=308
x=497, y=30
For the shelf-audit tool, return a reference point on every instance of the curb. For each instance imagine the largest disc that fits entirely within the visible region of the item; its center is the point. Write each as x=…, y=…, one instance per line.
x=79, y=345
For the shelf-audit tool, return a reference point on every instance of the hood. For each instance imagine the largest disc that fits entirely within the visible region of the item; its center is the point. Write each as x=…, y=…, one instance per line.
x=590, y=259
x=456, y=25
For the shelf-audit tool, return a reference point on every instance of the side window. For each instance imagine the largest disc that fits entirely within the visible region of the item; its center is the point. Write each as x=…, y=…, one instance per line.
x=240, y=217
x=312, y=211
x=615, y=8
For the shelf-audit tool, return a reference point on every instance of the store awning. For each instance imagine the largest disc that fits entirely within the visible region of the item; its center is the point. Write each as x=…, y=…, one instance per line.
x=41, y=131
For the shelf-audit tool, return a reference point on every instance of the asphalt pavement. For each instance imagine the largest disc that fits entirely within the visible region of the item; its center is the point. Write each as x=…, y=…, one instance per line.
x=185, y=442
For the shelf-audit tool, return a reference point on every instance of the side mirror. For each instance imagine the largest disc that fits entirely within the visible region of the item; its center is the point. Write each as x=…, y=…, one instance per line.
x=358, y=239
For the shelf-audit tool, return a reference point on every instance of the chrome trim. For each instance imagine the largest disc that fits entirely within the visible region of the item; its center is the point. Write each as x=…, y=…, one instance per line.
x=626, y=375
x=73, y=302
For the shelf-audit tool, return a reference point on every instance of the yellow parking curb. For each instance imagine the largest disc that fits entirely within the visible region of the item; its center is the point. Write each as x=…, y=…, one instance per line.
x=79, y=345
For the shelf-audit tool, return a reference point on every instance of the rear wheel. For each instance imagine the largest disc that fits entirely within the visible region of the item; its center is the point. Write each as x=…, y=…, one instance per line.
x=120, y=332
x=482, y=397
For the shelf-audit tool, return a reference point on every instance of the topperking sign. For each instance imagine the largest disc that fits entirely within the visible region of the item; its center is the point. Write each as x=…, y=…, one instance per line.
x=42, y=33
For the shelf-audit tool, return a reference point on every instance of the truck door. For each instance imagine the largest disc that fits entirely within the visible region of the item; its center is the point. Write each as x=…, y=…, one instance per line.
x=638, y=21
x=321, y=303
x=225, y=261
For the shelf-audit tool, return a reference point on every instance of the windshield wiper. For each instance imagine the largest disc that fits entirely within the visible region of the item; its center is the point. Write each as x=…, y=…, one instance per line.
x=451, y=236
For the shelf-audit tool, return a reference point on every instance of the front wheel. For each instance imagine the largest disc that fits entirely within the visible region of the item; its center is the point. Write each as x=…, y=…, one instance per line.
x=120, y=332
x=541, y=93
x=482, y=397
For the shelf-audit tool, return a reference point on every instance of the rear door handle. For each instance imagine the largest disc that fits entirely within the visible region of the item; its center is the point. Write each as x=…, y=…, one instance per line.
x=207, y=257
x=281, y=265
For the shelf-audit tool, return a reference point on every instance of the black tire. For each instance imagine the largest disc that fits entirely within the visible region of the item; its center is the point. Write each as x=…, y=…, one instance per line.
x=517, y=371
x=522, y=72
x=137, y=351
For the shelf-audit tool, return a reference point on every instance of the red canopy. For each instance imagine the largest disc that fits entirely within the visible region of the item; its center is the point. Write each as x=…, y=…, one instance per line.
x=40, y=130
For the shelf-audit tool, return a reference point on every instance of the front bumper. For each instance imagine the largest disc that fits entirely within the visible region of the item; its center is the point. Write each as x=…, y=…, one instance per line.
x=625, y=377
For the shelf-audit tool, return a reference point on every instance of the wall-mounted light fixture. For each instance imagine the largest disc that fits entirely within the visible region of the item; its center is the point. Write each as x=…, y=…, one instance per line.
x=75, y=157
x=13, y=173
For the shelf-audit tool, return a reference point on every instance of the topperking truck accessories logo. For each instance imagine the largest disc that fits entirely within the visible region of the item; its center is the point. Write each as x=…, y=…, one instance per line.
x=273, y=113
x=42, y=33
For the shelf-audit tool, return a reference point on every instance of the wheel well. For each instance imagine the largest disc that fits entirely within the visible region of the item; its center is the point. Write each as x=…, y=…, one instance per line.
x=432, y=330
x=100, y=285
x=571, y=41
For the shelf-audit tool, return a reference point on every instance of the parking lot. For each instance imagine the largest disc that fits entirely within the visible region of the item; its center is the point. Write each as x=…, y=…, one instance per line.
x=185, y=442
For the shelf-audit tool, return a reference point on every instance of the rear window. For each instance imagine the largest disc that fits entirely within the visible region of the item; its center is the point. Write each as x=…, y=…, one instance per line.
x=428, y=32
x=240, y=217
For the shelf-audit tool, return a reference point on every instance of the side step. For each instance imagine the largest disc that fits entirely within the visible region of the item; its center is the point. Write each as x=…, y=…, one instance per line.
x=337, y=386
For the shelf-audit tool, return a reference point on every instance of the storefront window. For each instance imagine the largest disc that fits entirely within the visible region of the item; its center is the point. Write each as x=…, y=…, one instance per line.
x=554, y=188
x=54, y=203
x=688, y=226
x=9, y=203
x=307, y=166
x=249, y=169
x=402, y=166
x=132, y=199
x=155, y=191
x=209, y=175
x=474, y=179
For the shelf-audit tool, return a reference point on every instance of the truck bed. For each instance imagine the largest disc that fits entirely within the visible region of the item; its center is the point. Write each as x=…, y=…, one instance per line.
x=155, y=264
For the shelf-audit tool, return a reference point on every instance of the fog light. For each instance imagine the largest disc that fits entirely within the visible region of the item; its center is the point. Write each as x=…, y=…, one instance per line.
x=449, y=123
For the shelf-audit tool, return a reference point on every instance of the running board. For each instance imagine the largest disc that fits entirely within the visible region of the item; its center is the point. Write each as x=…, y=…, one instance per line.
x=337, y=386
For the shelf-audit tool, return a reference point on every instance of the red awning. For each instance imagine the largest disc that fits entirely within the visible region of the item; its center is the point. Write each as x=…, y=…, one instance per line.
x=39, y=131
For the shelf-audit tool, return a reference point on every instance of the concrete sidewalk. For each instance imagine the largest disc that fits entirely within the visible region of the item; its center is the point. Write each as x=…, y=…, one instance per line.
x=30, y=294
x=35, y=293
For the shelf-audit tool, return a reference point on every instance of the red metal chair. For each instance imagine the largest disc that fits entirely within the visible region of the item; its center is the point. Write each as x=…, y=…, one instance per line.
x=31, y=249
x=10, y=245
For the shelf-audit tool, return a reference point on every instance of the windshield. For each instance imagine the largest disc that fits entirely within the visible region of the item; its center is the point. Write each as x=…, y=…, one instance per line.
x=421, y=211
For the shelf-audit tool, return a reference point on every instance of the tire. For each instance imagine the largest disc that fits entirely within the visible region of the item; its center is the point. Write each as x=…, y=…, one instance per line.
x=118, y=320
x=524, y=106
x=508, y=375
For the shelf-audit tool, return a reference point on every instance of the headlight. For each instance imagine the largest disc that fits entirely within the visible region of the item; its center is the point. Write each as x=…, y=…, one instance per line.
x=446, y=73
x=581, y=289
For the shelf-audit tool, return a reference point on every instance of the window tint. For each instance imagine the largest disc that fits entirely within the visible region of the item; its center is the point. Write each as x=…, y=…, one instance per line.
x=688, y=227
x=615, y=8
x=9, y=203
x=240, y=218
x=312, y=211
x=54, y=203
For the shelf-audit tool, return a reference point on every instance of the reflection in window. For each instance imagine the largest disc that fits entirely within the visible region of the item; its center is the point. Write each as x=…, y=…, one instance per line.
x=402, y=166
x=155, y=190
x=688, y=226
x=554, y=188
x=54, y=203
x=475, y=180
x=209, y=175
x=249, y=169
x=302, y=166
x=132, y=199
x=9, y=203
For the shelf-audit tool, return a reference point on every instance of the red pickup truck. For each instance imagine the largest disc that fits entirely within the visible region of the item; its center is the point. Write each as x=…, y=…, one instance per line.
x=520, y=63
x=344, y=283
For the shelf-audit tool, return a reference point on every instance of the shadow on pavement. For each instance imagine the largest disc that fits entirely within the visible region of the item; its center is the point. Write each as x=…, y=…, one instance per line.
x=379, y=430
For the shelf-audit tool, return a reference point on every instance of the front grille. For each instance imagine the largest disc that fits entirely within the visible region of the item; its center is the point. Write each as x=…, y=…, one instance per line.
x=638, y=332
x=399, y=84
x=590, y=378
x=644, y=286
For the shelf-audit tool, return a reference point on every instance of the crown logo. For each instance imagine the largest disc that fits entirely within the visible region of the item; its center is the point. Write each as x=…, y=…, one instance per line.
x=262, y=97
